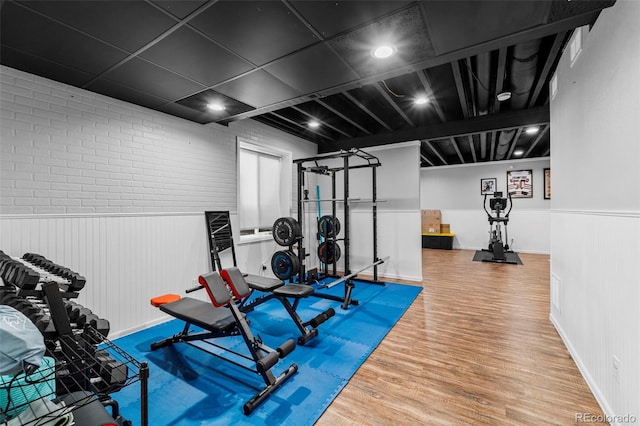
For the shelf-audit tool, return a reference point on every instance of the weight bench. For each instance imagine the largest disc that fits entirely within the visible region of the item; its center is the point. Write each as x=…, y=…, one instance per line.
x=276, y=289
x=222, y=318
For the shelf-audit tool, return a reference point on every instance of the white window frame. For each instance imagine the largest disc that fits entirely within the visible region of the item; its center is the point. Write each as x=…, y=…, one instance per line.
x=284, y=191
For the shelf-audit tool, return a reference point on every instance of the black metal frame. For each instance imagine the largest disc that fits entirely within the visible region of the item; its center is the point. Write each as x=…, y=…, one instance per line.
x=369, y=161
x=263, y=356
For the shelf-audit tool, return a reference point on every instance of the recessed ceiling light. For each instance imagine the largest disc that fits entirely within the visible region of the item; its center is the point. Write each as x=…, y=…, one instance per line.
x=503, y=96
x=314, y=124
x=420, y=100
x=518, y=152
x=216, y=107
x=532, y=130
x=383, y=51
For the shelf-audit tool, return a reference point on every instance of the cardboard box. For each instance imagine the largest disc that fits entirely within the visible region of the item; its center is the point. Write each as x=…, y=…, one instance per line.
x=445, y=228
x=431, y=220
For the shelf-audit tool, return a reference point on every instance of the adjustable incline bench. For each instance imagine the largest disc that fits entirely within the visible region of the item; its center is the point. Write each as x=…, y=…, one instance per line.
x=221, y=239
x=222, y=318
x=276, y=289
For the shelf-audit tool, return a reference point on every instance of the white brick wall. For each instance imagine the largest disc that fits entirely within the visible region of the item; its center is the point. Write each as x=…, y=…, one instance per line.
x=65, y=150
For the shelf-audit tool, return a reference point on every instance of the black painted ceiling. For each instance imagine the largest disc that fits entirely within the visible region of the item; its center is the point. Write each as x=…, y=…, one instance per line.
x=286, y=63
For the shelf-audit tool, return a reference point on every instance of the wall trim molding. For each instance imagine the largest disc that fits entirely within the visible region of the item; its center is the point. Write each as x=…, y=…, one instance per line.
x=99, y=215
x=615, y=213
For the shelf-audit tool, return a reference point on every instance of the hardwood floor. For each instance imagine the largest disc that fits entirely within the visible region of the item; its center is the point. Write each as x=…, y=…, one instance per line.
x=475, y=347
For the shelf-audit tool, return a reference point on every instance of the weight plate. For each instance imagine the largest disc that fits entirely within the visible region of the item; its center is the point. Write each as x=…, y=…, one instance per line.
x=329, y=252
x=329, y=226
x=285, y=264
x=286, y=231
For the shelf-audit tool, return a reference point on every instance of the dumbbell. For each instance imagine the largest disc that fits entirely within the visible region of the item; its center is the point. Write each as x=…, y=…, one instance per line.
x=113, y=373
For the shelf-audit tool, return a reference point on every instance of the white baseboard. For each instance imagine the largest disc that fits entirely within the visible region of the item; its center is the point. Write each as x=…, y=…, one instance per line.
x=132, y=330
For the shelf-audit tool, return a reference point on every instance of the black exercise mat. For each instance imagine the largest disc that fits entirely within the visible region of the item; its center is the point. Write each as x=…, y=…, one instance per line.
x=483, y=255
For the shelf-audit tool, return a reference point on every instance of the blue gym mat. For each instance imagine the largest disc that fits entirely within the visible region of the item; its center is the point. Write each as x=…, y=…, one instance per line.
x=190, y=387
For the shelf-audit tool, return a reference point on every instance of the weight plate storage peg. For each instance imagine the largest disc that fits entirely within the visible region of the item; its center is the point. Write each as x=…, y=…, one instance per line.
x=285, y=264
x=329, y=252
x=286, y=231
x=329, y=226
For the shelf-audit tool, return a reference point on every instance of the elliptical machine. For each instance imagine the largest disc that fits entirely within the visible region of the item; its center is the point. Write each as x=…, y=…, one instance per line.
x=498, y=204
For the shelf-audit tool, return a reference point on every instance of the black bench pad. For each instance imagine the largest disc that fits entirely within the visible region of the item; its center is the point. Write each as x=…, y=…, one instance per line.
x=265, y=284
x=202, y=314
x=294, y=290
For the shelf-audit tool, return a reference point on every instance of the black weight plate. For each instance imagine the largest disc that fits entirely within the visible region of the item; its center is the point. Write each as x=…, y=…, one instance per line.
x=329, y=252
x=285, y=264
x=329, y=226
x=286, y=231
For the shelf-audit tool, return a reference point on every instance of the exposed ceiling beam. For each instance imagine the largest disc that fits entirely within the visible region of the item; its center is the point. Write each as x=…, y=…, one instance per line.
x=365, y=109
x=485, y=123
x=307, y=128
x=470, y=84
x=426, y=160
x=426, y=83
x=539, y=31
x=492, y=136
x=535, y=142
x=514, y=142
x=544, y=74
x=433, y=148
x=473, y=148
x=455, y=67
x=502, y=63
x=457, y=148
x=385, y=95
x=342, y=116
x=324, y=123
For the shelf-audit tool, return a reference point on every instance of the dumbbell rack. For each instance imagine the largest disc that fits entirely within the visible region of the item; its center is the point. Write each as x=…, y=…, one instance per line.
x=87, y=367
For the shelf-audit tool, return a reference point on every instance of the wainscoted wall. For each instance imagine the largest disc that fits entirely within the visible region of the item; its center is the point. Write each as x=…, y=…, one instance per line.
x=117, y=192
x=127, y=259
x=595, y=294
x=472, y=229
x=595, y=210
x=455, y=191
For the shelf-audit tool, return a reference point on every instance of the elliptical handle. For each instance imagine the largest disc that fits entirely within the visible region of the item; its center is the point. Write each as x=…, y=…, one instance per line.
x=510, y=203
x=484, y=206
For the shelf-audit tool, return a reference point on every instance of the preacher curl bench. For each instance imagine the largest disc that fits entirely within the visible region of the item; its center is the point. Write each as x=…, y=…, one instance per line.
x=222, y=318
x=272, y=288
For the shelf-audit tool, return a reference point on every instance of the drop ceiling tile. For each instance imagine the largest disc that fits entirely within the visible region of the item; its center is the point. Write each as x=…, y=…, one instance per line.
x=117, y=91
x=42, y=67
x=312, y=69
x=126, y=24
x=34, y=34
x=186, y=113
x=199, y=102
x=497, y=21
x=259, y=31
x=333, y=17
x=192, y=55
x=259, y=89
x=179, y=8
x=149, y=78
x=405, y=30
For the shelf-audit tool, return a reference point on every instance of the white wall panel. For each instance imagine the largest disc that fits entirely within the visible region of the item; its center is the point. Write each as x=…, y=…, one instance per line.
x=126, y=259
x=472, y=229
x=595, y=266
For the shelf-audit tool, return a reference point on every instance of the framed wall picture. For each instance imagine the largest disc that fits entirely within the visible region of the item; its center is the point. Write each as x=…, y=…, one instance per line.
x=520, y=183
x=547, y=184
x=488, y=186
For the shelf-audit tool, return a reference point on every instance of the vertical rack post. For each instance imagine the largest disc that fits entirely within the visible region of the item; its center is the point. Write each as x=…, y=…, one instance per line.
x=301, y=254
x=375, y=224
x=346, y=215
x=334, y=212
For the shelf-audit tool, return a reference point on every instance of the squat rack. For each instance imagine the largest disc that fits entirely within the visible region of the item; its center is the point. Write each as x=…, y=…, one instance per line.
x=312, y=165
